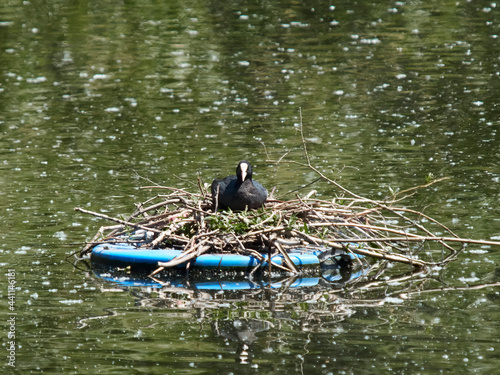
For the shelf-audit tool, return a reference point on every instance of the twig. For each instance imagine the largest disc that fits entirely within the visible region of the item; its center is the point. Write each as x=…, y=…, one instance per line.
x=116, y=220
x=173, y=189
x=303, y=139
x=286, y=258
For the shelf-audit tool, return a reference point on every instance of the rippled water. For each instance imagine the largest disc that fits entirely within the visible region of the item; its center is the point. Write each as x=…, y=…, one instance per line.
x=97, y=98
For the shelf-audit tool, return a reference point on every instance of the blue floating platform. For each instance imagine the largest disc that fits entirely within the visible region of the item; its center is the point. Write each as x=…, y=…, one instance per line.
x=129, y=255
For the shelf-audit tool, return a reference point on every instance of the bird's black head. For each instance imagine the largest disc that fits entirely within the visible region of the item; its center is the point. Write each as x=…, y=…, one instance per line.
x=244, y=171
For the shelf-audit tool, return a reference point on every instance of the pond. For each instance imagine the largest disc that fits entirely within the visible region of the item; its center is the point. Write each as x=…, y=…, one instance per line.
x=100, y=98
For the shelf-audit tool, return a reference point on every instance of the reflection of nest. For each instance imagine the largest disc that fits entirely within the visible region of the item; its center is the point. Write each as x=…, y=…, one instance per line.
x=295, y=306
x=278, y=304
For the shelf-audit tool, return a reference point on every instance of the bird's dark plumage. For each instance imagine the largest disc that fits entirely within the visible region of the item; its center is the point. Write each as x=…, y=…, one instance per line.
x=238, y=192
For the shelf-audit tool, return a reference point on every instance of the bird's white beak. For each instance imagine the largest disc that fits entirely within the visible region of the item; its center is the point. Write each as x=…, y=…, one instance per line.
x=244, y=168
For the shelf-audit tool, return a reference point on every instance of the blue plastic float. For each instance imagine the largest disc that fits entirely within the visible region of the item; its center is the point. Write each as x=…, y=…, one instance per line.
x=128, y=255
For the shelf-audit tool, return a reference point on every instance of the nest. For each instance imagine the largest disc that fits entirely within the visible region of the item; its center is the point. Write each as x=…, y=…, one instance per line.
x=382, y=230
x=376, y=229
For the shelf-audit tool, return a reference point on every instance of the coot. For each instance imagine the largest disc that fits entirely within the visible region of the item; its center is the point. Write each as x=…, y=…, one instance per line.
x=238, y=192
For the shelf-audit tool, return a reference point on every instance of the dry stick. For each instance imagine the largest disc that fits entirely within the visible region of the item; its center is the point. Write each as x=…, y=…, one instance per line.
x=208, y=234
x=196, y=209
x=421, y=186
x=361, y=227
x=254, y=253
x=184, y=179
x=318, y=214
x=193, y=254
x=334, y=210
x=286, y=257
x=127, y=222
x=158, y=205
x=279, y=204
x=309, y=165
x=116, y=231
x=355, y=195
x=383, y=254
x=216, y=199
x=89, y=245
x=336, y=184
x=264, y=221
x=303, y=203
x=413, y=190
x=161, y=237
x=290, y=242
x=180, y=239
x=159, y=269
x=374, y=285
x=238, y=241
x=304, y=186
x=334, y=245
x=273, y=264
x=124, y=222
x=365, y=226
x=421, y=227
x=270, y=256
x=201, y=186
x=173, y=189
x=201, y=218
x=302, y=137
x=392, y=257
x=162, y=220
x=191, y=246
x=309, y=238
x=184, y=257
x=428, y=218
x=263, y=231
x=380, y=255
x=155, y=197
x=418, y=239
x=100, y=234
x=259, y=257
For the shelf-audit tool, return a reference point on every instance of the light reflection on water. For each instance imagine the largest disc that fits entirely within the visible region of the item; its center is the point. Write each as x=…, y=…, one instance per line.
x=92, y=94
x=293, y=317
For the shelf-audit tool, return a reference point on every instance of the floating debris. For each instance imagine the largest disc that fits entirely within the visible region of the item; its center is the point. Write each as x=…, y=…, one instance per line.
x=349, y=223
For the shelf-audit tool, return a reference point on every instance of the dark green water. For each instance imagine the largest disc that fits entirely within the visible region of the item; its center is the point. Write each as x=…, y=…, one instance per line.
x=94, y=93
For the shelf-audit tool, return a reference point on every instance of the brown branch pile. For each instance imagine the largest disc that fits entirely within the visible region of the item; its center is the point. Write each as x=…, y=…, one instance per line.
x=377, y=229
x=186, y=221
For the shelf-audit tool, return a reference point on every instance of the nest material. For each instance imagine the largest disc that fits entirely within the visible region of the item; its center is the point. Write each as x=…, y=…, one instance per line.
x=186, y=221
x=377, y=229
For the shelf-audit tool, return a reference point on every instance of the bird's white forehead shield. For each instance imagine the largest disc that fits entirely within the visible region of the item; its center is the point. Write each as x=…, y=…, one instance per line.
x=244, y=169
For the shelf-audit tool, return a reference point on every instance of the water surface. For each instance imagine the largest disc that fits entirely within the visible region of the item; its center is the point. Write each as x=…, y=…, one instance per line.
x=97, y=98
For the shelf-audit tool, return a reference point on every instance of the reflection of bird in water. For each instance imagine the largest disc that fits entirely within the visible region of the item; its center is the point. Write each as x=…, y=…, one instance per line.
x=238, y=192
x=243, y=331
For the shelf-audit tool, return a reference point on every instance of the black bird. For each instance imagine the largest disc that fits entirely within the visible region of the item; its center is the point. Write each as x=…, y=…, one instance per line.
x=238, y=192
